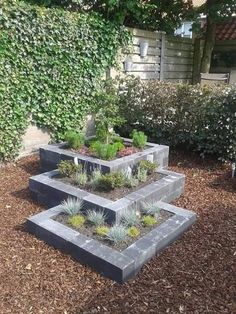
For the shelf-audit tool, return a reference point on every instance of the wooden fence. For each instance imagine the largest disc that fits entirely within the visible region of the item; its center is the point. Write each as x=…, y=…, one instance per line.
x=168, y=58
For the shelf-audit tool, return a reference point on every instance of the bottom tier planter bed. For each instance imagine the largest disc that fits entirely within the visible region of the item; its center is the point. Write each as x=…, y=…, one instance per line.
x=119, y=264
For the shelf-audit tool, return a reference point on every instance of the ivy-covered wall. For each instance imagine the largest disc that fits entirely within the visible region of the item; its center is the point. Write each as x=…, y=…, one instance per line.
x=51, y=63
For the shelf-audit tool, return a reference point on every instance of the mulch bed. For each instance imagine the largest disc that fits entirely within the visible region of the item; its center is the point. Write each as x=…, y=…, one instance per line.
x=194, y=275
x=116, y=193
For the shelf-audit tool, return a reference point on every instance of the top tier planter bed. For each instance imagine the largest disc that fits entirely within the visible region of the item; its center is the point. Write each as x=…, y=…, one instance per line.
x=51, y=155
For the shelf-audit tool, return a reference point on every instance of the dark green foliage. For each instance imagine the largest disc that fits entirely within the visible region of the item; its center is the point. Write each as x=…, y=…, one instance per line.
x=74, y=139
x=200, y=118
x=139, y=139
x=149, y=166
x=68, y=168
x=111, y=181
x=51, y=63
x=106, y=151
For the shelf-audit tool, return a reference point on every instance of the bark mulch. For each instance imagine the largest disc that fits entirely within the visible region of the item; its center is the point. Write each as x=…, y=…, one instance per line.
x=194, y=275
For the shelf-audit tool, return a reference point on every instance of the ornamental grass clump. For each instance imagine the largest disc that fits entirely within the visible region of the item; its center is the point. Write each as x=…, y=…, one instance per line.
x=102, y=230
x=96, y=218
x=130, y=218
x=76, y=221
x=72, y=206
x=150, y=208
x=133, y=232
x=81, y=178
x=117, y=234
x=148, y=221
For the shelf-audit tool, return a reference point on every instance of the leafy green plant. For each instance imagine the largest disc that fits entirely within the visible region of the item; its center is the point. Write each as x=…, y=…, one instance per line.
x=96, y=218
x=202, y=118
x=50, y=73
x=111, y=181
x=68, y=168
x=133, y=232
x=75, y=139
x=72, y=206
x=150, y=208
x=139, y=139
x=142, y=174
x=76, y=221
x=117, y=234
x=148, y=165
x=149, y=221
x=102, y=230
x=105, y=151
x=130, y=218
x=81, y=178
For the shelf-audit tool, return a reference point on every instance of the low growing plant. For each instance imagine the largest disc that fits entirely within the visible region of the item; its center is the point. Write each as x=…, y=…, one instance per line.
x=95, y=178
x=131, y=181
x=102, y=230
x=133, y=232
x=72, y=206
x=148, y=165
x=105, y=151
x=117, y=234
x=75, y=139
x=96, y=218
x=150, y=208
x=139, y=139
x=130, y=218
x=81, y=178
x=111, y=181
x=68, y=168
x=149, y=221
x=76, y=221
x=142, y=174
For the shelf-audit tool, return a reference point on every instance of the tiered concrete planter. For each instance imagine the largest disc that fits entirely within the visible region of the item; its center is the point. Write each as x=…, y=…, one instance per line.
x=119, y=266
x=51, y=155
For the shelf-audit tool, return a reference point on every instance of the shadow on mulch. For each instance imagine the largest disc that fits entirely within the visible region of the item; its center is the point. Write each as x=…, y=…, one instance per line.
x=32, y=167
x=224, y=181
x=23, y=194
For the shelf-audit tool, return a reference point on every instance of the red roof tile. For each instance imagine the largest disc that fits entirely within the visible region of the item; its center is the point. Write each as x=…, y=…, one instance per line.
x=227, y=30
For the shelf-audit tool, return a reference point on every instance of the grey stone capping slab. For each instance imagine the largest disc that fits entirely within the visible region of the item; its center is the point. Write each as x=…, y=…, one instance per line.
x=51, y=155
x=52, y=192
x=119, y=266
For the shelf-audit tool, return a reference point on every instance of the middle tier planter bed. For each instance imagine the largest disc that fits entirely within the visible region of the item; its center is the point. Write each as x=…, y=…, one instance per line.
x=50, y=191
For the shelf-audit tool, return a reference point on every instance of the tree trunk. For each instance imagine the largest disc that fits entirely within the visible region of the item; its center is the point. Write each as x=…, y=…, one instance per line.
x=208, y=46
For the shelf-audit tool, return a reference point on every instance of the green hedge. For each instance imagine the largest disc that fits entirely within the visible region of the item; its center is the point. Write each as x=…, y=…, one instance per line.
x=51, y=63
x=200, y=118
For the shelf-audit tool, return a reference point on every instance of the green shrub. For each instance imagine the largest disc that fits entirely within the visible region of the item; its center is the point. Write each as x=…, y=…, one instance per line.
x=102, y=230
x=68, y=168
x=133, y=232
x=51, y=64
x=72, y=206
x=201, y=118
x=74, y=139
x=148, y=165
x=105, y=151
x=117, y=234
x=139, y=139
x=97, y=218
x=111, y=181
x=76, y=221
x=149, y=221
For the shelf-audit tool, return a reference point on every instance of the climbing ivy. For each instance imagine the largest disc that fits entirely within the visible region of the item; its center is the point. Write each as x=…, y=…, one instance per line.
x=51, y=64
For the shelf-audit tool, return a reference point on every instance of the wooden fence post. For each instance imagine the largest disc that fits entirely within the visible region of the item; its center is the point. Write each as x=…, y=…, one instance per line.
x=196, y=60
x=162, y=63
